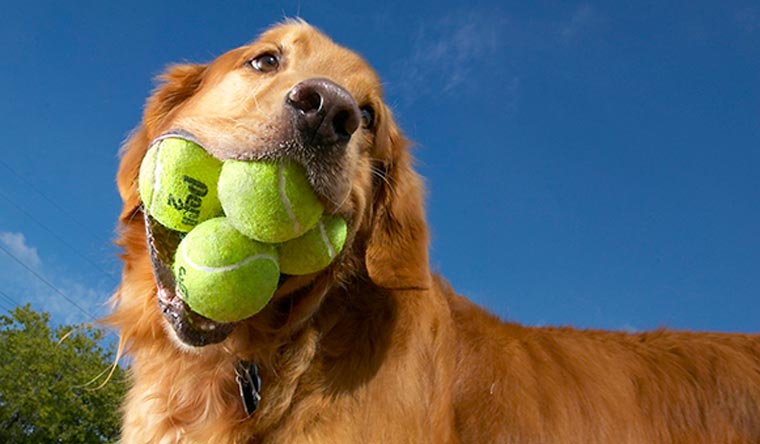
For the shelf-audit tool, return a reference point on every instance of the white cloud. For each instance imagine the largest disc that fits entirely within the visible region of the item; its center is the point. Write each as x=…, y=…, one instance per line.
x=748, y=19
x=25, y=286
x=630, y=328
x=16, y=243
x=455, y=53
x=448, y=52
x=583, y=18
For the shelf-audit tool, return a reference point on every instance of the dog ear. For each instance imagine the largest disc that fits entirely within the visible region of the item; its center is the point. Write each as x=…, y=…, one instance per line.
x=176, y=85
x=397, y=250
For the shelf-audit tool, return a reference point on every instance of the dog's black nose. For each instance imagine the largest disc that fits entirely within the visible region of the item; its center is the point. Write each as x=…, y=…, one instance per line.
x=324, y=112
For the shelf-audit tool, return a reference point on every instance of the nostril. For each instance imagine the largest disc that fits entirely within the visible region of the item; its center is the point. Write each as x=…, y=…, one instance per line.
x=324, y=112
x=340, y=124
x=305, y=99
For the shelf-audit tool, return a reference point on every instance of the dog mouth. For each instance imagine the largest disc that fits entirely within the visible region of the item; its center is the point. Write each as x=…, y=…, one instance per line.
x=191, y=328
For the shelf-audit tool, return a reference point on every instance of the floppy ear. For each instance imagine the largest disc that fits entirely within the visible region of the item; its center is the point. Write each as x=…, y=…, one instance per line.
x=397, y=251
x=177, y=84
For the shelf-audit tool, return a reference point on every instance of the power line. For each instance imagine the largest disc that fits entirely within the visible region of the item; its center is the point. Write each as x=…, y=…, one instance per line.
x=59, y=238
x=46, y=282
x=5, y=307
x=50, y=201
x=9, y=299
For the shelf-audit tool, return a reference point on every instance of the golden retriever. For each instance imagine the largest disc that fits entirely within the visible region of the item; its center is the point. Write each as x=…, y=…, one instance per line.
x=377, y=348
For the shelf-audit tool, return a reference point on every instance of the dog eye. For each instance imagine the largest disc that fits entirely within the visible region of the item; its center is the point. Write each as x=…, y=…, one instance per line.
x=266, y=63
x=368, y=117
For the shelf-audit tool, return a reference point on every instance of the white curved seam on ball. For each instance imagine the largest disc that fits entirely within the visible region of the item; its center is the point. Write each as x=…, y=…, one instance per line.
x=156, y=176
x=284, y=198
x=326, y=240
x=230, y=267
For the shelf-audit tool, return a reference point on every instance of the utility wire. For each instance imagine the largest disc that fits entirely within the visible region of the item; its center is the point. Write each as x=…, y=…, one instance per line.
x=52, y=202
x=9, y=299
x=59, y=238
x=46, y=282
x=6, y=308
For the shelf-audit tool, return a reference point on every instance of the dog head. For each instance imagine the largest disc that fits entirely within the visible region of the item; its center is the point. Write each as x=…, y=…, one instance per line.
x=294, y=95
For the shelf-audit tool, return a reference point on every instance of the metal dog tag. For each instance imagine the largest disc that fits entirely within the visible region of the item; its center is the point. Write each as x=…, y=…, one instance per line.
x=249, y=385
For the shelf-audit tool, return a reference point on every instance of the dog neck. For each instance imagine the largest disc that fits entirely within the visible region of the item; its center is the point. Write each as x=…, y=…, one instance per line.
x=338, y=335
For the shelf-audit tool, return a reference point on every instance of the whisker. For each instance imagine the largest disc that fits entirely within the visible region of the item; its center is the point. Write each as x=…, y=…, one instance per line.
x=345, y=198
x=252, y=94
x=256, y=101
x=335, y=203
x=379, y=173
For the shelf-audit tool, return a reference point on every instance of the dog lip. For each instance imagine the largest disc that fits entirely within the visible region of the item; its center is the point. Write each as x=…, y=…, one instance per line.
x=321, y=161
x=178, y=133
x=189, y=327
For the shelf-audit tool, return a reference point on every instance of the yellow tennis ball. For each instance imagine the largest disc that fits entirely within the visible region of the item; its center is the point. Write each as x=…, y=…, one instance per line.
x=314, y=250
x=269, y=202
x=222, y=274
x=177, y=184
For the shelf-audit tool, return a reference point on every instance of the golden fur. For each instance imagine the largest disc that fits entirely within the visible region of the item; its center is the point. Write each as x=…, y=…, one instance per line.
x=377, y=348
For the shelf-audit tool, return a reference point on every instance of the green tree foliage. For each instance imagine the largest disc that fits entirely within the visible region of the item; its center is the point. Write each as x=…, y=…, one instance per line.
x=50, y=382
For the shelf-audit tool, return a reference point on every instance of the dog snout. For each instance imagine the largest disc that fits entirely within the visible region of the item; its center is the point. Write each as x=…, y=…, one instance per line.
x=324, y=112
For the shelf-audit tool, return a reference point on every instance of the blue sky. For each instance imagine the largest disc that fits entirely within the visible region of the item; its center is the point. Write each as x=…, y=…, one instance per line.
x=589, y=163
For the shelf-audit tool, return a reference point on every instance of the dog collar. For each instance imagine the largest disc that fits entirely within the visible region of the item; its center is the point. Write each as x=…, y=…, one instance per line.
x=249, y=385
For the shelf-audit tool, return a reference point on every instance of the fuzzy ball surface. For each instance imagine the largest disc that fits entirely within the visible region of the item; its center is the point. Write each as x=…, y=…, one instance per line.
x=178, y=184
x=269, y=202
x=316, y=249
x=222, y=274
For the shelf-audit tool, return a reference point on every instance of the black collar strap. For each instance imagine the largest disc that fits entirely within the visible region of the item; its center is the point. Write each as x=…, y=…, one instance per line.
x=249, y=384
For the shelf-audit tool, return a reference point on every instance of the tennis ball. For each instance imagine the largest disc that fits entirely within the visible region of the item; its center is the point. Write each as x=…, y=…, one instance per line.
x=269, y=202
x=177, y=184
x=314, y=250
x=222, y=274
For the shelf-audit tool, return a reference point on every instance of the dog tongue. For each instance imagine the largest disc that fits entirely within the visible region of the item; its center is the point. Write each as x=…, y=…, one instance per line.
x=191, y=328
